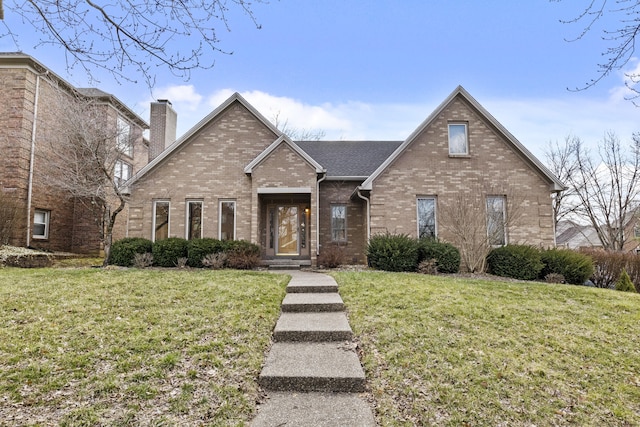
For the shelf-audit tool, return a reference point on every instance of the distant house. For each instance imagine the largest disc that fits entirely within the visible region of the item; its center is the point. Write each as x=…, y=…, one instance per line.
x=235, y=176
x=572, y=235
x=47, y=219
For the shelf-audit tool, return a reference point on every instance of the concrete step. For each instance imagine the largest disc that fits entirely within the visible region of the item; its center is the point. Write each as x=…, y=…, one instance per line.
x=304, y=282
x=308, y=302
x=314, y=409
x=327, y=326
x=326, y=367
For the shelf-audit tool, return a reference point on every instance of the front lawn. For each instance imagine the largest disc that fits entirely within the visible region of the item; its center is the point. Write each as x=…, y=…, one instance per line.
x=455, y=352
x=132, y=347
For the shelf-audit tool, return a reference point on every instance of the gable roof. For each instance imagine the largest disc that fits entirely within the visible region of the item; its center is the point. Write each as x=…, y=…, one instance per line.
x=349, y=159
x=236, y=97
x=271, y=148
x=555, y=183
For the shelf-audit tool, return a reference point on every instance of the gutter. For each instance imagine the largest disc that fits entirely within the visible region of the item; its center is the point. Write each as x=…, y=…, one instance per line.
x=367, y=201
x=32, y=158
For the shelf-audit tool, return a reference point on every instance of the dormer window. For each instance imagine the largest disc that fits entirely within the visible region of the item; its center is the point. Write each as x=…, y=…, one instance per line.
x=458, y=141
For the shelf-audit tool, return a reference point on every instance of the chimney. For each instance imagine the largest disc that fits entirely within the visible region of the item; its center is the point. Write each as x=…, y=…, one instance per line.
x=162, y=127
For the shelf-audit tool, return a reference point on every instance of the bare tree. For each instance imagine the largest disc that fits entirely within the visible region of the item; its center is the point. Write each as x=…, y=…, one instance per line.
x=621, y=39
x=127, y=37
x=607, y=187
x=297, y=134
x=561, y=161
x=82, y=159
x=479, y=219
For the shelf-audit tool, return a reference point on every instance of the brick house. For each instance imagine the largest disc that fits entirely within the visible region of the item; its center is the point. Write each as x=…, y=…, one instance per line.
x=235, y=176
x=45, y=218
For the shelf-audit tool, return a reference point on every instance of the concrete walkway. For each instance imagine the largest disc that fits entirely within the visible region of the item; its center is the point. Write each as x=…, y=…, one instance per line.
x=312, y=373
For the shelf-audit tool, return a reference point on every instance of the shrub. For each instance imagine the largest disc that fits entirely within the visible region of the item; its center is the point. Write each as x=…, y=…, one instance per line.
x=624, y=283
x=167, y=251
x=214, y=261
x=428, y=266
x=446, y=256
x=607, y=267
x=576, y=267
x=182, y=262
x=554, y=278
x=197, y=249
x=393, y=252
x=516, y=261
x=143, y=260
x=124, y=250
x=242, y=255
x=331, y=256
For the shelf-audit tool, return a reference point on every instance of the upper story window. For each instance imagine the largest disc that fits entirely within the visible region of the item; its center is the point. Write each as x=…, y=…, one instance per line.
x=125, y=142
x=339, y=223
x=496, y=220
x=426, y=217
x=41, y=224
x=122, y=172
x=458, y=141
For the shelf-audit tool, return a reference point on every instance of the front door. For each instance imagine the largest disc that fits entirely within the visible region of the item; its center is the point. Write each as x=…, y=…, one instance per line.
x=287, y=237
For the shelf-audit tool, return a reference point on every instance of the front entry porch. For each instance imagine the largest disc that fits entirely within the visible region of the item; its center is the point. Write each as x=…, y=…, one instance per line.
x=285, y=221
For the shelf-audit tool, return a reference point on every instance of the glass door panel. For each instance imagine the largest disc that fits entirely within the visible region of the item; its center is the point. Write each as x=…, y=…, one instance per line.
x=288, y=230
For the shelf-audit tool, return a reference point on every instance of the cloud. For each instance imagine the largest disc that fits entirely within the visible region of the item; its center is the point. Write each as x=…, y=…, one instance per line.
x=628, y=78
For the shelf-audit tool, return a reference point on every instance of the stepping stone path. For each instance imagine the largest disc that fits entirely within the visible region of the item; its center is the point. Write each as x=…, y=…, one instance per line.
x=312, y=373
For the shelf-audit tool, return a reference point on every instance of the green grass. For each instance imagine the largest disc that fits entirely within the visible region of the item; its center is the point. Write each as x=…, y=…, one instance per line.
x=130, y=347
x=455, y=352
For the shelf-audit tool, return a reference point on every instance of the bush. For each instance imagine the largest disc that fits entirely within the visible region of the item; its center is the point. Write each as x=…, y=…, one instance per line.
x=624, y=283
x=554, y=278
x=215, y=261
x=393, y=252
x=576, y=268
x=123, y=251
x=166, y=252
x=607, y=267
x=242, y=255
x=515, y=261
x=197, y=249
x=428, y=266
x=331, y=256
x=446, y=255
x=143, y=260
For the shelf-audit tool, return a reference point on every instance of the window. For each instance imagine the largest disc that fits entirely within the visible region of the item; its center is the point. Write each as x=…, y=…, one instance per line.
x=125, y=145
x=458, y=144
x=41, y=224
x=194, y=220
x=426, y=217
x=160, y=220
x=496, y=216
x=121, y=172
x=339, y=223
x=227, y=220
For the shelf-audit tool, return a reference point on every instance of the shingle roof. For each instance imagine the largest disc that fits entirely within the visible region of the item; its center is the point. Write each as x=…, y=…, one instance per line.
x=349, y=158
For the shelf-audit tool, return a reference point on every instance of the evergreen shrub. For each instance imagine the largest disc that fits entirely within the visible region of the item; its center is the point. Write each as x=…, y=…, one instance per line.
x=576, y=267
x=516, y=261
x=123, y=251
x=393, y=252
x=446, y=255
x=166, y=252
x=197, y=249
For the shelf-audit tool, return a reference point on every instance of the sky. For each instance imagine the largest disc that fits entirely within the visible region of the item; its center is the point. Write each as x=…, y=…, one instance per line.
x=376, y=69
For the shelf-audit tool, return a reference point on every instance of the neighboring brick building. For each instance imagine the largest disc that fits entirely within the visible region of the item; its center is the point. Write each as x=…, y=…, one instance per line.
x=235, y=176
x=46, y=218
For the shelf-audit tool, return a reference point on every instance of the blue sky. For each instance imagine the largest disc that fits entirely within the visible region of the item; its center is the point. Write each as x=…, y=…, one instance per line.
x=377, y=69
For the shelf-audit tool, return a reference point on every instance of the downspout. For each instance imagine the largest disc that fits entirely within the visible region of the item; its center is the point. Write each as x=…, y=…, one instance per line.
x=368, y=214
x=32, y=158
x=318, y=213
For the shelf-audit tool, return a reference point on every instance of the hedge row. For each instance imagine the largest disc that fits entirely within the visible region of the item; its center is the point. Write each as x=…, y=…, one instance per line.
x=399, y=252
x=167, y=252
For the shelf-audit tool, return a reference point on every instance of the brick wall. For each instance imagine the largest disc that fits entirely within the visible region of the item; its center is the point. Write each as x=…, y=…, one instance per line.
x=339, y=192
x=492, y=167
x=208, y=167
